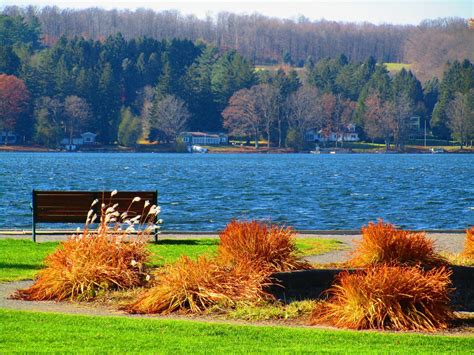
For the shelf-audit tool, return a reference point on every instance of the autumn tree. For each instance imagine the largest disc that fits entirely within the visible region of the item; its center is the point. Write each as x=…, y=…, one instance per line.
x=461, y=117
x=337, y=113
x=241, y=116
x=169, y=117
x=14, y=101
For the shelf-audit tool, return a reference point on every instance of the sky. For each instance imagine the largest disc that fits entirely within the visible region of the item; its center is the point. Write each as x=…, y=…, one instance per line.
x=388, y=11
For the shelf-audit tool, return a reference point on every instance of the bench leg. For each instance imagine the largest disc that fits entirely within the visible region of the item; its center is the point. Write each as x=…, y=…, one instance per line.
x=33, y=232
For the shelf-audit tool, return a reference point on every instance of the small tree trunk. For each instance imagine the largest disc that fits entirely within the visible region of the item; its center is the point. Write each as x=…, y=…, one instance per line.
x=279, y=133
x=268, y=136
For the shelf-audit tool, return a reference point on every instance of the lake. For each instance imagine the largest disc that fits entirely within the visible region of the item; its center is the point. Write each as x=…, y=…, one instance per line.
x=204, y=191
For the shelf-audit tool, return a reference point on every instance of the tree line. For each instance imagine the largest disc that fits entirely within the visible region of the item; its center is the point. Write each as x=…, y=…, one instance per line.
x=266, y=40
x=142, y=87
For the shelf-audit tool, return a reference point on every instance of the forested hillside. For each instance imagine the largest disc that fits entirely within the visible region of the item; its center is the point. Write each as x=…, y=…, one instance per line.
x=264, y=40
x=124, y=89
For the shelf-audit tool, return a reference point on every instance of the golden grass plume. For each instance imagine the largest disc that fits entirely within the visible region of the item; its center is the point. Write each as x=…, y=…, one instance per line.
x=259, y=245
x=388, y=297
x=468, y=251
x=108, y=258
x=383, y=243
x=193, y=286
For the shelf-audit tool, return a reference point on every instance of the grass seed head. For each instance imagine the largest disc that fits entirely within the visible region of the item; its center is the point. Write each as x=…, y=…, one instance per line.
x=383, y=243
x=260, y=245
x=388, y=297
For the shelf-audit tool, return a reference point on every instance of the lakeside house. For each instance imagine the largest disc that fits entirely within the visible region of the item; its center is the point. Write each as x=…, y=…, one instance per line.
x=192, y=138
x=86, y=138
x=8, y=137
x=348, y=135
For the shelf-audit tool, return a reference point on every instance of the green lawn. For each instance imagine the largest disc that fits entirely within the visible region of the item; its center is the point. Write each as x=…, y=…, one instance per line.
x=21, y=258
x=22, y=331
x=397, y=66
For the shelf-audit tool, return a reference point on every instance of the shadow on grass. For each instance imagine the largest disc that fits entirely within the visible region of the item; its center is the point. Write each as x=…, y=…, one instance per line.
x=186, y=242
x=19, y=266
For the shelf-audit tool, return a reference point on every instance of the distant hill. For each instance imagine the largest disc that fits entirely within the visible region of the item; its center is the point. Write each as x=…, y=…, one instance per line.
x=268, y=41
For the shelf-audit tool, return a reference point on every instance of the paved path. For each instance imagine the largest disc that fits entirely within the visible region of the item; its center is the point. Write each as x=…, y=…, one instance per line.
x=7, y=289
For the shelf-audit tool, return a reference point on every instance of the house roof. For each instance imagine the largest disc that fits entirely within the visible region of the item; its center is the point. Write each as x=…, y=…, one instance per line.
x=203, y=134
x=88, y=134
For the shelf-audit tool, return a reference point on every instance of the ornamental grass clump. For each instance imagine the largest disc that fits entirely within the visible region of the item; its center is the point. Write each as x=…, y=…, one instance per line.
x=194, y=286
x=468, y=251
x=383, y=243
x=388, y=297
x=108, y=258
x=260, y=246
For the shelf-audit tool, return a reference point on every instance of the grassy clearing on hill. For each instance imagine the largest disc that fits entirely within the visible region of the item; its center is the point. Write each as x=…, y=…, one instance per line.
x=21, y=259
x=394, y=67
x=34, y=332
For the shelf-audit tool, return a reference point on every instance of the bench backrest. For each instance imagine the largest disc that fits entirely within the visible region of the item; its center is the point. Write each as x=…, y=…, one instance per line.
x=73, y=206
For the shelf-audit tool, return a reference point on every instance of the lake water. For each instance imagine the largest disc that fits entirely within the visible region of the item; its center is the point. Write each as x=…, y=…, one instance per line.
x=203, y=192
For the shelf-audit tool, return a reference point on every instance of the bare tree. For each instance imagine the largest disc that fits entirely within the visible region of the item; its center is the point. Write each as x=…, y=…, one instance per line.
x=170, y=116
x=77, y=114
x=378, y=119
x=461, y=117
x=267, y=106
x=402, y=110
x=304, y=110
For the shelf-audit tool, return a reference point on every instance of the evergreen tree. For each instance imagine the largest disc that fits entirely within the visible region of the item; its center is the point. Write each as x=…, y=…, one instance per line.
x=107, y=105
x=204, y=113
x=230, y=73
x=9, y=61
x=458, y=78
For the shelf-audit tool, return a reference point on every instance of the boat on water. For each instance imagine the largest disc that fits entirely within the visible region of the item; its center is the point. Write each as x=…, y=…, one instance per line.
x=198, y=149
x=437, y=150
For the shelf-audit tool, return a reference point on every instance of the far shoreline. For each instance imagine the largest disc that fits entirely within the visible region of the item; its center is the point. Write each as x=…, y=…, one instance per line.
x=228, y=150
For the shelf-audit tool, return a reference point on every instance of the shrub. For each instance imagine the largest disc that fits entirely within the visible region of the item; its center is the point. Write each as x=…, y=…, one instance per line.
x=95, y=261
x=468, y=251
x=257, y=245
x=388, y=297
x=383, y=243
x=197, y=285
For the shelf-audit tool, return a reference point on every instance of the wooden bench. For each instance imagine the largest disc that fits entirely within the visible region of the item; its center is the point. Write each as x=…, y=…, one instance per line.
x=73, y=206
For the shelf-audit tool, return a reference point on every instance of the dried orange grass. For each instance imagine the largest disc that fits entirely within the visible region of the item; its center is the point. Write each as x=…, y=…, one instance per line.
x=83, y=265
x=388, y=297
x=383, y=243
x=468, y=251
x=260, y=246
x=193, y=286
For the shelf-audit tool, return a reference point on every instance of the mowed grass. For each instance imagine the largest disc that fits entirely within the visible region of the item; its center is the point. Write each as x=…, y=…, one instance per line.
x=22, y=331
x=21, y=259
x=394, y=67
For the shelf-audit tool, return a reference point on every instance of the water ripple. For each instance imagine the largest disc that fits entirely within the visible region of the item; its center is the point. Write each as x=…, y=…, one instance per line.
x=204, y=192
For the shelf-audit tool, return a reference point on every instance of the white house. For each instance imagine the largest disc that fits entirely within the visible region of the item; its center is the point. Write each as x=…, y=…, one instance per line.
x=86, y=138
x=192, y=138
x=349, y=135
